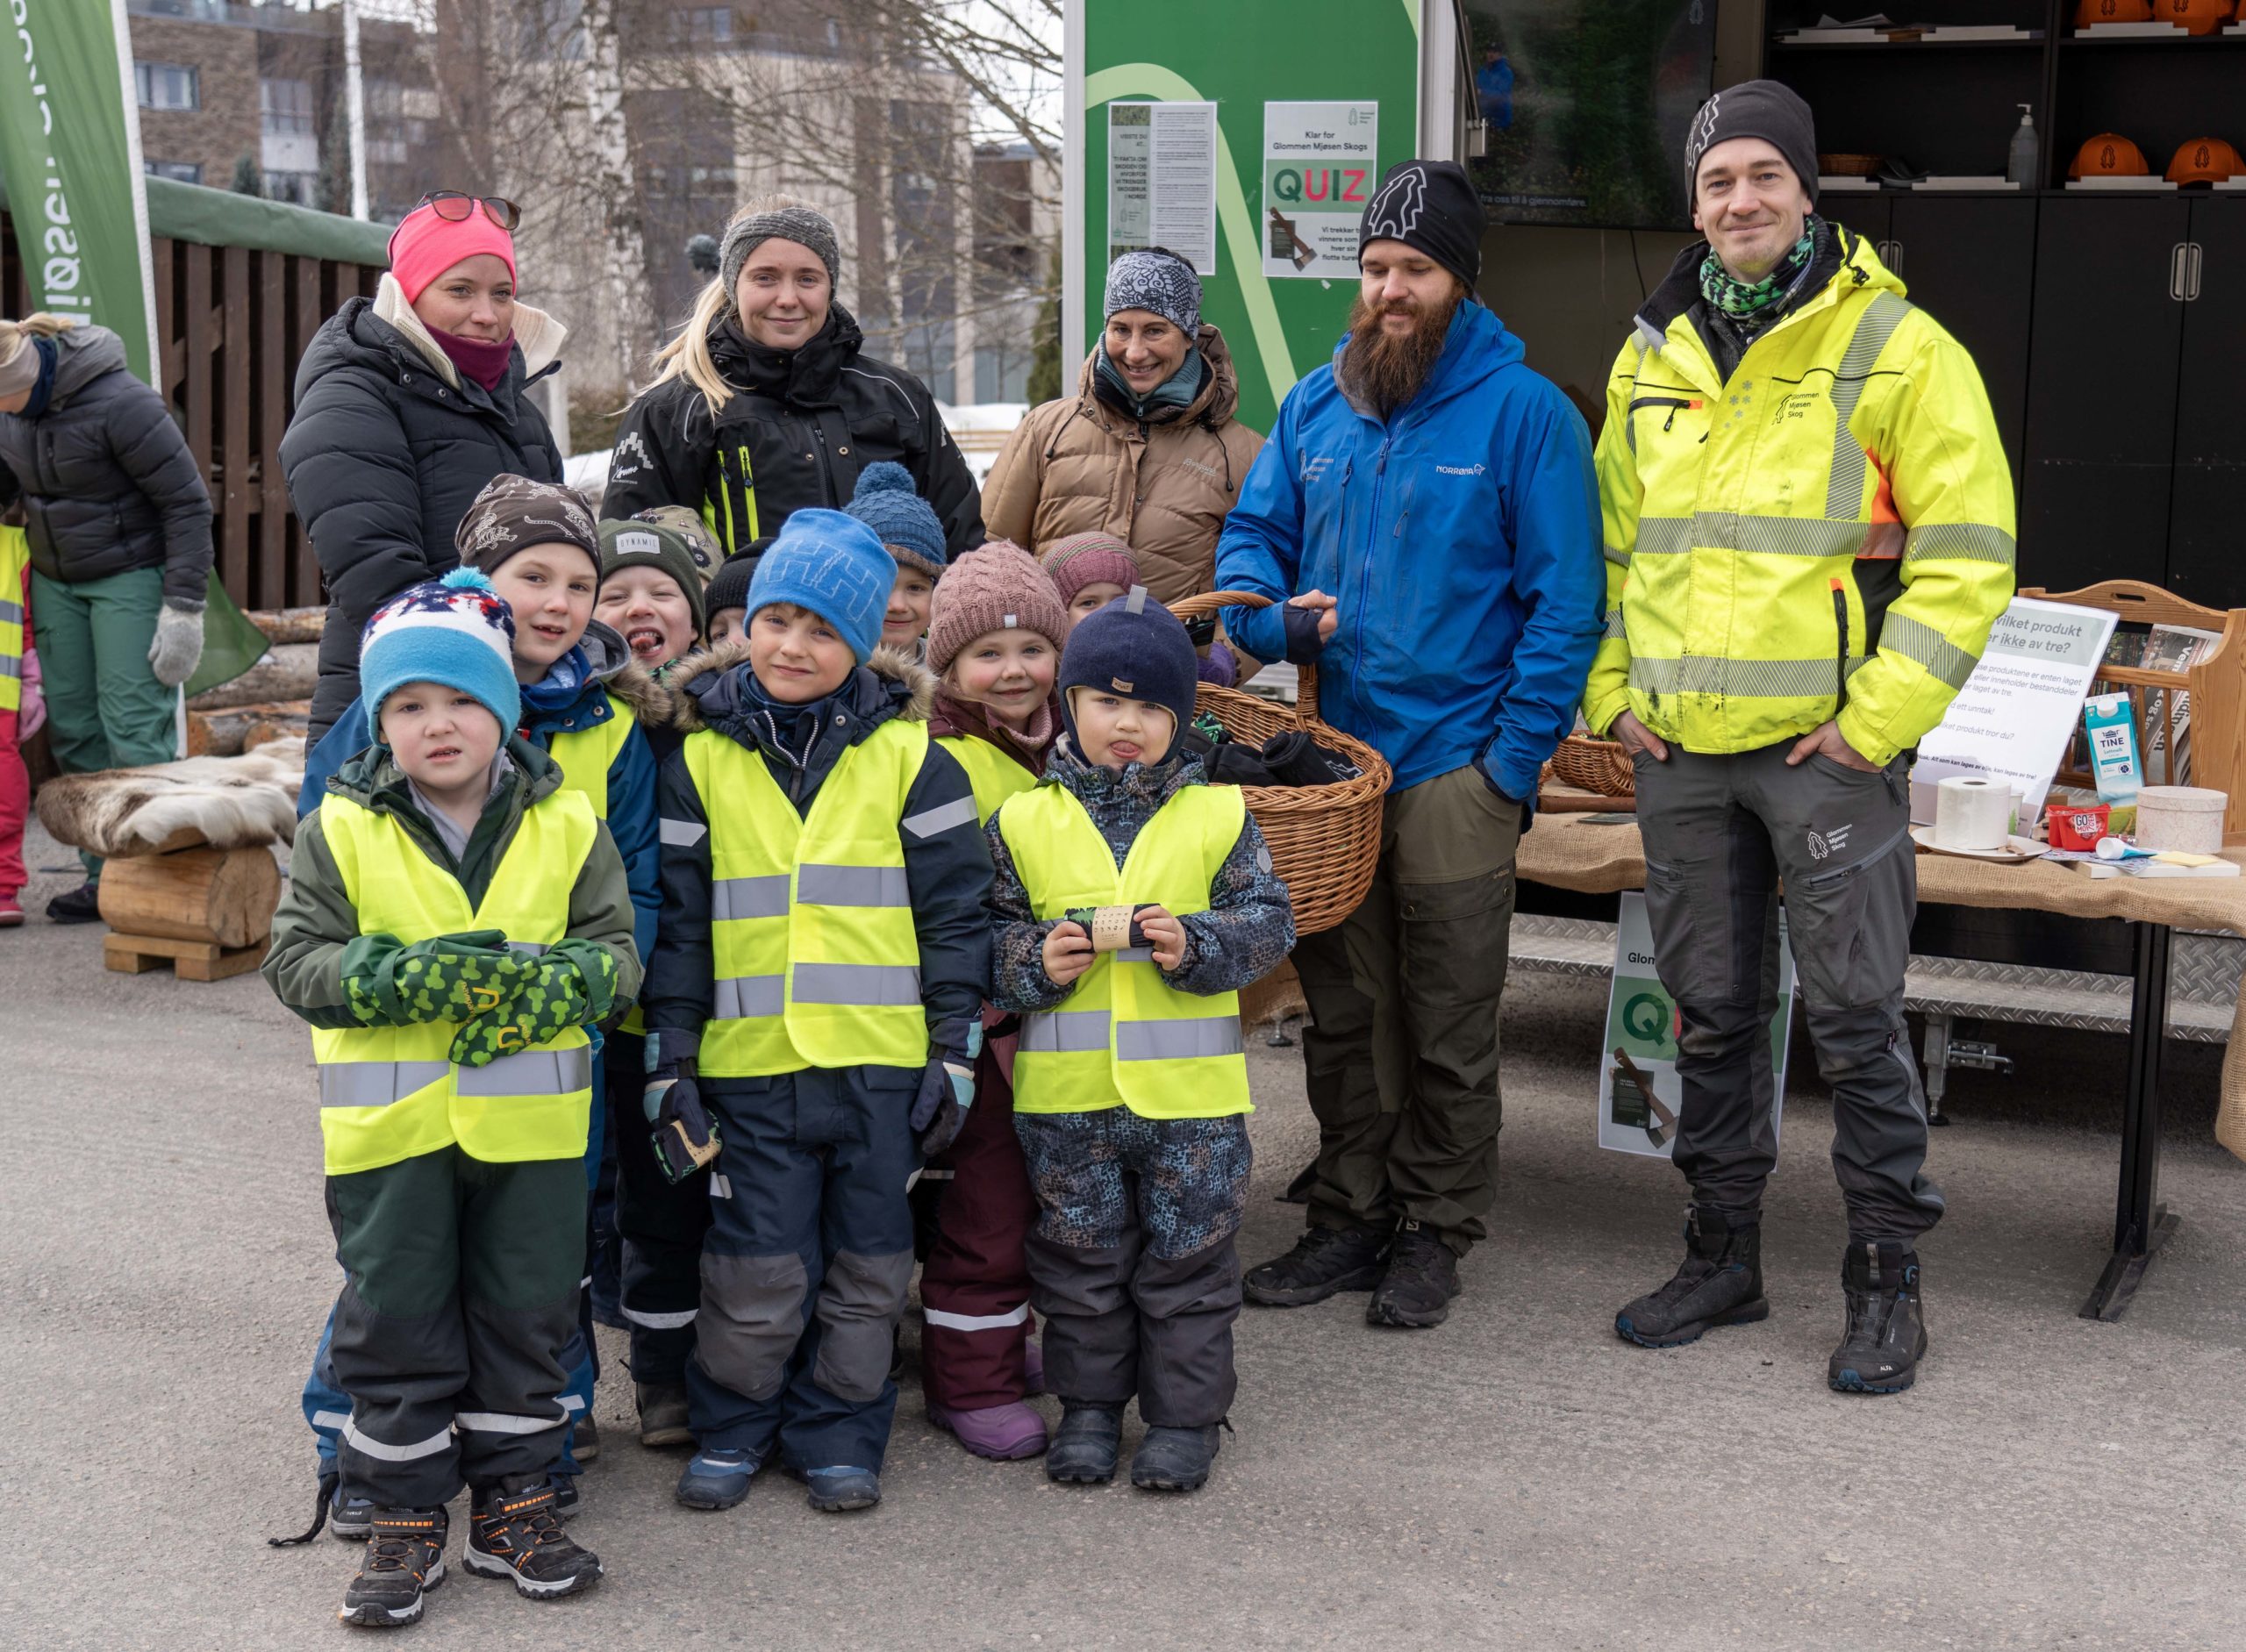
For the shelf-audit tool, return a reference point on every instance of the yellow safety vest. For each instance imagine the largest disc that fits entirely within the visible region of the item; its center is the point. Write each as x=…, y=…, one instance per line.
x=389, y=1093
x=994, y=775
x=816, y=957
x=1126, y=1035
x=15, y=556
x=586, y=754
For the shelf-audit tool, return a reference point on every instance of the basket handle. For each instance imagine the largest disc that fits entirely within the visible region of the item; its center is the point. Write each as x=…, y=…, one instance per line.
x=1209, y=602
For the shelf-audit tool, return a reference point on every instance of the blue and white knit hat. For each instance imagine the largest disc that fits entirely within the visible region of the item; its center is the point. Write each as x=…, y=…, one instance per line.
x=887, y=502
x=831, y=564
x=1159, y=279
x=456, y=630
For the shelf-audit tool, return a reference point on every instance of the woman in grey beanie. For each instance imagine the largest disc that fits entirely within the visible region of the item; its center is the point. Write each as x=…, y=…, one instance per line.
x=1147, y=448
x=766, y=401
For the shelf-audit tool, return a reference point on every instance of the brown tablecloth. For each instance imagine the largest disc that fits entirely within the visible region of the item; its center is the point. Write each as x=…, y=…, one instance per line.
x=1600, y=859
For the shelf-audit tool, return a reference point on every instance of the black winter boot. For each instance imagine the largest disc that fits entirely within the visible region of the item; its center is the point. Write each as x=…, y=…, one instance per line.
x=1175, y=1459
x=662, y=1415
x=1421, y=1279
x=513, y=1534
x=1720, y=1283
x=1085, y=1445
x=1886, y=1337
x=1324, y=1261
x=405, y=1560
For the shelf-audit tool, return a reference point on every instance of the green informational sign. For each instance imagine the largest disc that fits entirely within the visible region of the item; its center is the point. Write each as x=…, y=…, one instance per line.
x=70, y=151
x=1245, y=137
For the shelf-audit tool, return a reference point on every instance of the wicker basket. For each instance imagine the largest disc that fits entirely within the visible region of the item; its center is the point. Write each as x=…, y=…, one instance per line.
x=1849, y=166
x=1600, y=765
x=1325, y=840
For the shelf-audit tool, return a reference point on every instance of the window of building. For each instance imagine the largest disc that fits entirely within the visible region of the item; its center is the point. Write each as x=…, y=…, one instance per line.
x=294, y=186
x=285, y=106
x=177, y=171
x=167, y=85
x=704, y=25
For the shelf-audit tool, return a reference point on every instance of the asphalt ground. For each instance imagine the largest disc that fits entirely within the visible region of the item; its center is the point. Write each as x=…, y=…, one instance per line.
x=1519, y=1477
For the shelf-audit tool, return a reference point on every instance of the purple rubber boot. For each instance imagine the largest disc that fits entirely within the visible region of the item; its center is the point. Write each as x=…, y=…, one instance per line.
x=1001, y=1433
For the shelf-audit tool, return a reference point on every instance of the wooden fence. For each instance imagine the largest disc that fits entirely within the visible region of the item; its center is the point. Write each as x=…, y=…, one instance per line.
x=234, y=322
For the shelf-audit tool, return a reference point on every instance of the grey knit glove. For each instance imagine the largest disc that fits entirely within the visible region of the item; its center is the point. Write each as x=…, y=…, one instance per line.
x=178, y=648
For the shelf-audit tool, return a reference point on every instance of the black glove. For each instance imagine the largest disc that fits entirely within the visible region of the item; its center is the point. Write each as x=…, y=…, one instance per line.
x=1297, y=760
x=947, y=1085
x=684, y=1136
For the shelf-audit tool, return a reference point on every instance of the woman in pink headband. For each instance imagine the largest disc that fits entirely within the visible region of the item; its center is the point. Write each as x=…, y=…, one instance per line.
x=407, y=405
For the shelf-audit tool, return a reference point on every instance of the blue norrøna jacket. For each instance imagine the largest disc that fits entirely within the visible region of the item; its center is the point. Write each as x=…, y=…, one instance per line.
x=1461, y=540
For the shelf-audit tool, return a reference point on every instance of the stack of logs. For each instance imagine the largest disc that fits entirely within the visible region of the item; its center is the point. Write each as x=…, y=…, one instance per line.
x=273, y=698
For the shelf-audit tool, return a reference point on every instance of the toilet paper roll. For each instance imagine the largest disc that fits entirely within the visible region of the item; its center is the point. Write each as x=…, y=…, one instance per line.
x=1970, y=812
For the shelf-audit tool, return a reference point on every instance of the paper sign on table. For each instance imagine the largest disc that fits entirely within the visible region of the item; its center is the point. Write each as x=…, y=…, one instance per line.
x=2013, y=719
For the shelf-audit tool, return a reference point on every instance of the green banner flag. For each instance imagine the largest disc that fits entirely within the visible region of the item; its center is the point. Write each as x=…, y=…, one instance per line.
x=70, y=151
x=70, y=156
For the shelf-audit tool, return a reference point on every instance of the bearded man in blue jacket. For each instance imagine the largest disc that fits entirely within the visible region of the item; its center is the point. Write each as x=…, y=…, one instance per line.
x=1426, y=516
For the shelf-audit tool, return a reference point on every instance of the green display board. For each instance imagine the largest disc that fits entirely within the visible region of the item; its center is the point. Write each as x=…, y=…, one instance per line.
x=1308, y=94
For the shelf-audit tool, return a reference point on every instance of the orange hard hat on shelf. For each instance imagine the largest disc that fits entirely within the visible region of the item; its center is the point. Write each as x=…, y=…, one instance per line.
x=2092, y=12
x=2108, y=155
x=2200, y=16
x=2205, y=161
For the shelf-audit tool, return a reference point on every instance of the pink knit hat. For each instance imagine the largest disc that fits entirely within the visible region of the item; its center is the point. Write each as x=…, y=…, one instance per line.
x=1087, y=559
x=424, y=246
x=997, y=586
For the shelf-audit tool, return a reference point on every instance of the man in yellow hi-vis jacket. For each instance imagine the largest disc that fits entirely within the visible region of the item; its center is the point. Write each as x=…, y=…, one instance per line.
x=1808, y=523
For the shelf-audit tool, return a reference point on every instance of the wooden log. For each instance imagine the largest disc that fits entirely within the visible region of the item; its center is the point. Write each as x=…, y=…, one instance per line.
x=223, y=896
x=232, y=730
x=288, y=672
x=289, y=625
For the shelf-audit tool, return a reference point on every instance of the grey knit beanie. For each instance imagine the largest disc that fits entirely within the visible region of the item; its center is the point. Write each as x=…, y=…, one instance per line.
x=805, y=225
x=1159, y=279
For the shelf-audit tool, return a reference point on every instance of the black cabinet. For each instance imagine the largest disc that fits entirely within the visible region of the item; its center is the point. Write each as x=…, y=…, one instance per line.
x=1970, y=261
x=2207, y=528
x=2109, y=327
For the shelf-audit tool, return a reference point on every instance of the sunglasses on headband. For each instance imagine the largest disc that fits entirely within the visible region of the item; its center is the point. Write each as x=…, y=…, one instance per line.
x=455, y=205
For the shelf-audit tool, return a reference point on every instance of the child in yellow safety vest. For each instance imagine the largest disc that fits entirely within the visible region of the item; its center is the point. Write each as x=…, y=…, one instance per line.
x=1135, y=899
x=815, y=997
x=455, y=919
x=995, y=635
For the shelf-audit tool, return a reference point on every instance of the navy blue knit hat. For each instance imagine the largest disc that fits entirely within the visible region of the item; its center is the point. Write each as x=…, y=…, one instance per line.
x=833, y=565
x=887, y=502
x=728, y=587
x=1136, y=648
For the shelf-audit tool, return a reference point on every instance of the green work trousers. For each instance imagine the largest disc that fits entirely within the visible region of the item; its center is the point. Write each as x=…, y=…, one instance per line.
x=105, y=707
x=1401, y=1057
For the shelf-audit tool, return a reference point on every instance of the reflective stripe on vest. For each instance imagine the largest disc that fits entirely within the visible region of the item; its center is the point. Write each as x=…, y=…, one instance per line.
x=586, y=754
x=994, y=775
x=812, y=939
x=14, y=557
x=1125, y=1034
x=390, y=1093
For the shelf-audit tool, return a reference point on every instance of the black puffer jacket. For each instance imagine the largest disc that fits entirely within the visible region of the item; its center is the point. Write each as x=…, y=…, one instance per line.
x=104, y=475
x=801, y=424
x=384, y=457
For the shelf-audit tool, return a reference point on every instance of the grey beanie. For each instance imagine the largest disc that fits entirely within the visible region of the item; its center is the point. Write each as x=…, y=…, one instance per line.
x=805, y=225
x=1159, y=279
x=1754, y=109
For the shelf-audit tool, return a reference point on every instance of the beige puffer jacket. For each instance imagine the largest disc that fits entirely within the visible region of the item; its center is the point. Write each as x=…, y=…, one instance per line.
x=1078, y=465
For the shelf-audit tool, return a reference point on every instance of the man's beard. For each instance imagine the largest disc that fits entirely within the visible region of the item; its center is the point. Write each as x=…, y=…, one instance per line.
x=1384, y=370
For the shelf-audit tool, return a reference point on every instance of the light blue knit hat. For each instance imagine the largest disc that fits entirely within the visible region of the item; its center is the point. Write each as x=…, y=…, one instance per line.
x=456, y=630
x=831, y=564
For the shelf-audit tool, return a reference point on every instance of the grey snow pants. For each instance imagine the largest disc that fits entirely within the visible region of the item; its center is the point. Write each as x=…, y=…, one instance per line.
x=1720, y=832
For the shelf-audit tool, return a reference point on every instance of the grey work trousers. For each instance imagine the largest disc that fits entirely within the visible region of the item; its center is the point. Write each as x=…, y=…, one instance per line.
x=1720, y=832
